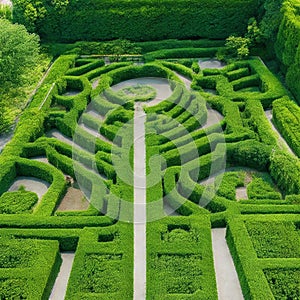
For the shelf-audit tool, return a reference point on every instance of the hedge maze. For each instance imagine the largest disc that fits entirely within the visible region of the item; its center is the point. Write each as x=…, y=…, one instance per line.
x=78, y=131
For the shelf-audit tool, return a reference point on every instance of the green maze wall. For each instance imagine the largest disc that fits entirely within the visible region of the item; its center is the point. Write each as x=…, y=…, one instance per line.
x=179, y=251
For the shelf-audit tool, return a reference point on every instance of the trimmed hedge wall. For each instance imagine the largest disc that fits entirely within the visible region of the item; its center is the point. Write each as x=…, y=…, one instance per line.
x=287, y=46
x=286, y=116
x=31, y=267
x=103, y=264
x=177, y=272
x=105, y=20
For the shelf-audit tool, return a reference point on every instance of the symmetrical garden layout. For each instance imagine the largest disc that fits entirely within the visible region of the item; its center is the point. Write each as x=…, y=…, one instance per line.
x=129, y=166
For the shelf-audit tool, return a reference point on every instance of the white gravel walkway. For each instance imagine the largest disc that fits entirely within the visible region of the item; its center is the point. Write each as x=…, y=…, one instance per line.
x=61, y=282
x=227, y=280
x=139, y=204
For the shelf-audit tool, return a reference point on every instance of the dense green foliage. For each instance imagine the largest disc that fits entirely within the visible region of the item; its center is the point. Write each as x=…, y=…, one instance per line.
x=253, y=242
x=19, y=52
x=30, y=268
x=17, y=202
x=274, y=239
x=288, y=45
x=284, y=283
x=19, y=55
x=104, y=20
x=286, y=115
x=186, y=271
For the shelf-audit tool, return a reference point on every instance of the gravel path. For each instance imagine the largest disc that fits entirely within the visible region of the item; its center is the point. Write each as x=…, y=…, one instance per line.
x=227, y=280
x=32, y=184
x=139, y=204
x=61, y=282
x=210, y=64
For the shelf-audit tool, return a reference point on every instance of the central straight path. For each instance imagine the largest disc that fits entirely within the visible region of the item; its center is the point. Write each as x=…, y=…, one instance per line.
x=227, y=280
x=139, y=204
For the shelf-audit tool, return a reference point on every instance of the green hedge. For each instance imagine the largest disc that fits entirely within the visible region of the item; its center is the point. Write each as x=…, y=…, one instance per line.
x=249, y=154
x=103, y=264
x=287, y=45
x=274, y=239
x=286, y=116
x=285, y=169
x=82, y=69
x=103, y=20
x=177, y=272
x=253, y=282
x=33, y=273
x=257, y=121
x=18, y=202
x=284, y=283
x=58, y=69
x=181, y=53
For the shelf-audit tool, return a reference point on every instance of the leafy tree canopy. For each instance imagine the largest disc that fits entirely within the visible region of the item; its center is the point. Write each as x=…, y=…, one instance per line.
x=19, y=51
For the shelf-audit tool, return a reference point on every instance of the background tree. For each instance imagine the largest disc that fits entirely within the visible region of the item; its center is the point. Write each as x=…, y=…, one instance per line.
x=19, y=54
x=5, y=12
x=237, y=46
x=19, y=51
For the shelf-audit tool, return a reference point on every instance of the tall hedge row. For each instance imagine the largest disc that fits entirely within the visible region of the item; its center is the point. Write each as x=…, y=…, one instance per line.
x=74, y=20
x=287, y=46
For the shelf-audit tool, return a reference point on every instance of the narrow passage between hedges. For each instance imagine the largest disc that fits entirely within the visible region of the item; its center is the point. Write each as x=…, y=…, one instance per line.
x=281, y=141
x=61, y=282
x=228, y=284
x=139, y=274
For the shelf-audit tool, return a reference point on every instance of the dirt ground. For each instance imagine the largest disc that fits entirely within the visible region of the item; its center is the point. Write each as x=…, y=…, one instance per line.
x=73, y=200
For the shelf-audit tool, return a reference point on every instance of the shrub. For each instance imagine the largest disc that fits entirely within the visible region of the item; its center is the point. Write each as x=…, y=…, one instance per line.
x=285, y=170
x=18, y=202
x=259, y=188
x=284, y=283
x=274, y=239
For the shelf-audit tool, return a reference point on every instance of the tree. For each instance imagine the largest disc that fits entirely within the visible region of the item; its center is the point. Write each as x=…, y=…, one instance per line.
x=19, y=51
x=270, y=21
x=5, y=12
x=238, y=46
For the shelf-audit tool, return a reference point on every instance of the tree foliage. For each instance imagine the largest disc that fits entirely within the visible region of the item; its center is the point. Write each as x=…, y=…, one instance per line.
x=5, y=12
x=19, y=51
x=238, y=46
